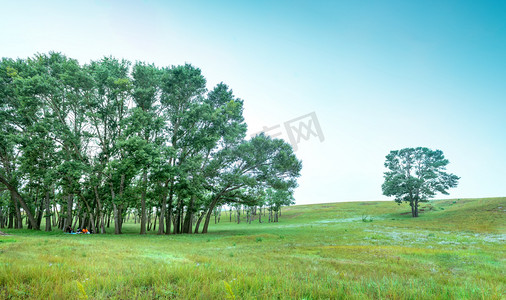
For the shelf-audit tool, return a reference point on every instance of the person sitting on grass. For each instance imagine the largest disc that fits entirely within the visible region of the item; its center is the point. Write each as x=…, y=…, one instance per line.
x=78, y=231
x=85, y=231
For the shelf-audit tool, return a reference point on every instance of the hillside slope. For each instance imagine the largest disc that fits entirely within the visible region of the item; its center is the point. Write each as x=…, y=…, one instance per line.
x=477, y=215
x=368, y=250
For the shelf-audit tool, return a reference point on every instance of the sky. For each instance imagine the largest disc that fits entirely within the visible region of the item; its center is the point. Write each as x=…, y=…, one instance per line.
x=367, y=77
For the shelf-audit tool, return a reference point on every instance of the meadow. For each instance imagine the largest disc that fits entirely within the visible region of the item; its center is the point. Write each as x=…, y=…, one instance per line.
x=353, y=250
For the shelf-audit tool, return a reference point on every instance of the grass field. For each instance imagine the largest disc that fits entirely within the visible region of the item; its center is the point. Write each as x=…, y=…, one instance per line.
x=454, y=250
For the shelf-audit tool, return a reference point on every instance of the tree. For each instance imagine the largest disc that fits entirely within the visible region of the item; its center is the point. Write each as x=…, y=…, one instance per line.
x=145, y=123
x=87, y=142
x=107, y=110
x=275, y=199
x=18, y=109
x=183, y=89
x=261, y=162
x=415, y=175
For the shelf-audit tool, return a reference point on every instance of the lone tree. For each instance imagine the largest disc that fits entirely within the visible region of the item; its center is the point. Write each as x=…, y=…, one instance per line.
x=415, y=175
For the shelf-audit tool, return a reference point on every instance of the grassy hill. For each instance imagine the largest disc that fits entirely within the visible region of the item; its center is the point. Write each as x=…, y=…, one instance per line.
x=356, y=250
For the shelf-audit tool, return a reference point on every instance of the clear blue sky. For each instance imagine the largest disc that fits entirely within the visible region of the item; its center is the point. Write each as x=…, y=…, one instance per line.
x=380, y=75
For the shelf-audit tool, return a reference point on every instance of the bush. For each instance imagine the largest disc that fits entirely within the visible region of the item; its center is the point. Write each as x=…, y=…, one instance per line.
x=367, y=219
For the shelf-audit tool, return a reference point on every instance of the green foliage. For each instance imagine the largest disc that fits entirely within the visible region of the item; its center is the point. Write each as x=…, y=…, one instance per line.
x=110, y=136
x=416, y=174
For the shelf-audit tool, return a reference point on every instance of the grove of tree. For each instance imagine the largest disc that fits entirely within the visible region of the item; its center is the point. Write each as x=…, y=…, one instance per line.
x=83, y=144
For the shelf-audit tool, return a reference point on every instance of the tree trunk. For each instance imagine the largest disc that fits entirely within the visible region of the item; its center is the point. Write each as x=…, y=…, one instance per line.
x=168, y=219
x=117, y=208
x=40, y=211
x=179, y=212
x=68, y=218
x=96, y=219
x=48, y=212
x=116, y=218
x=187, y=224
x=187, y=227
x=120, y=218
x=55, y=213
x=91, y=221
x=150, y=215
x=154, y=223
x=209, y=212
x=202, y=214
x=21, y=200
x=90, y=218
x=115, y=211
x=78, y=219
x=143, y=202
x=19, y=221
x=101, y=225
x=1, y=218
x=23, y=203
x=162, y=209
x=192, y=220
x=10, y=224
x=181, y=220
x=120, y=206
x=61, y=218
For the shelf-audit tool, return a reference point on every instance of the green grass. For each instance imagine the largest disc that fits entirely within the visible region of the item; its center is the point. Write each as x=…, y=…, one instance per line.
x=454, y=250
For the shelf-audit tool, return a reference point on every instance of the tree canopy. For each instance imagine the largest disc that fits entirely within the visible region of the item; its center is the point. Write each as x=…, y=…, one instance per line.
x=415, y=175
x=113, y=137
